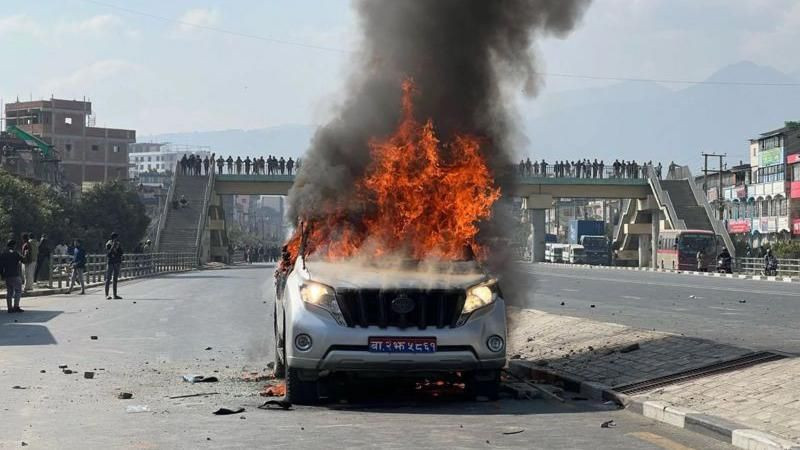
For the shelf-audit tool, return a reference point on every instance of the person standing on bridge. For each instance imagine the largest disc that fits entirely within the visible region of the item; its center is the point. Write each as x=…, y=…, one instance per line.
x=528, y=167
x=238, y=165
x=531, y=169
x=78, y=266
x=229, y=163
x=543, y=168
x=600, y=168
x=262, y=166
x=114, y=254
x=658, y=170
x=205, y=164
x=594, y=168
x=10, y=261
x=247, y=166
x=289, y=166
x=220, y=164
x=282, y=165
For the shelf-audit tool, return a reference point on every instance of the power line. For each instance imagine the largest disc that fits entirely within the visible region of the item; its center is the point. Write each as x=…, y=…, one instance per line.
x=343, y=51
x=666, y=81
x=219, y=30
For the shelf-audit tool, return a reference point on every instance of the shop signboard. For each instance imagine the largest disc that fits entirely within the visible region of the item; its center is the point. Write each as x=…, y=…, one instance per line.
x=783, y=224
x=794, y=189
x=792, y=159
x=741, y=191
x=737, y=226
x=770, y=157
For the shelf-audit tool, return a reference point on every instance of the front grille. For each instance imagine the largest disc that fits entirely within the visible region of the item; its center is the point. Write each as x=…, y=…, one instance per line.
x=373, y=307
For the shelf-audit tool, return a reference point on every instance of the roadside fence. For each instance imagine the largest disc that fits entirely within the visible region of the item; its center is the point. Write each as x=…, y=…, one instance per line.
x=134, y=265
x=786, y=267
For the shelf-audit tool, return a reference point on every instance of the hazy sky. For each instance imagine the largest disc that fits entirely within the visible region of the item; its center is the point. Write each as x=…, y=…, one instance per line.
x=158, y=76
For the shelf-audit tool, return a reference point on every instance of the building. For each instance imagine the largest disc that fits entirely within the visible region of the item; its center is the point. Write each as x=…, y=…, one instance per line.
x=28, y=157
x=87, y=154
x=159, y=157
x=764, y=207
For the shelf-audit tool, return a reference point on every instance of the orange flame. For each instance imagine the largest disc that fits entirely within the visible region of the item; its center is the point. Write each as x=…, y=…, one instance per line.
x=419, y=197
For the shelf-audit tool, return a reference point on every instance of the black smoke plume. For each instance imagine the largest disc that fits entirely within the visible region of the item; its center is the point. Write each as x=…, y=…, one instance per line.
x=467, y=58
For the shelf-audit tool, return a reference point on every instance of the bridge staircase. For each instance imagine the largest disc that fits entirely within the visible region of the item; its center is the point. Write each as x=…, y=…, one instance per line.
x=181, y=227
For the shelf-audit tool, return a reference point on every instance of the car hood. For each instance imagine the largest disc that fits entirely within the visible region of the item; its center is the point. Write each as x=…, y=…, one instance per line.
x=350, y=275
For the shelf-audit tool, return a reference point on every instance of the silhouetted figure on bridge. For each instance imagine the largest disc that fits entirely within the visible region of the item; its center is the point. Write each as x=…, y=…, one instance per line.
x=238, y=164
x=220, y=164
x=543, y=168
x=282, y=165
x=205, y=165
x=247, y=163
x=289, y=166
x=262, y=166
x=658, y=170
x=528, y=167
x=601, y=168
x=229, y=162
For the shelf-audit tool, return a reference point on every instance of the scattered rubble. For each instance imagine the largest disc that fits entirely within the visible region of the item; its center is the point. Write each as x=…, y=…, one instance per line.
x=629, y=348
x=282, y=404
x=137, y=409
x=514, y=431
x=124, y=396
x=18, y=387
x=94, y=338
x=199, y=394
x=88, y=375
x=608, y=424
x=274, y=390
x=199, y=379
x=228, y=411
x=67, y=372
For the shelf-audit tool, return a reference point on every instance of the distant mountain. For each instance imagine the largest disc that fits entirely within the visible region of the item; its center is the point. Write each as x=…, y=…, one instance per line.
x=645, y=121
x=284, y=140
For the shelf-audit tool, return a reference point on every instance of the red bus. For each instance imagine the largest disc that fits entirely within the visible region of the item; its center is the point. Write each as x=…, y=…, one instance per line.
x=677, y=249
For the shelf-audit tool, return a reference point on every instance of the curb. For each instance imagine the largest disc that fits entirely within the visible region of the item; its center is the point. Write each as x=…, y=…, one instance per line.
x=780, y=279
x=714, y=427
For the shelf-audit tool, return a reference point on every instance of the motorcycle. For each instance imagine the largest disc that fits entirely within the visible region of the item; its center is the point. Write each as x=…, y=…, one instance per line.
x=724, y=265
x=771, y=267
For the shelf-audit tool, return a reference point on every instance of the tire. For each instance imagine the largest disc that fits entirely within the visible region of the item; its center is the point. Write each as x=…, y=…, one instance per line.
x=484, y=385
x=298, y=391
x=280, y=354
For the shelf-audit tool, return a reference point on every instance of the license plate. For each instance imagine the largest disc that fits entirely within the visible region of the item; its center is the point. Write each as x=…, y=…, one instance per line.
x=402, y=344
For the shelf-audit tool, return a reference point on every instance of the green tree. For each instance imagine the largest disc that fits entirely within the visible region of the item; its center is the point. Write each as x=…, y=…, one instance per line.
x=25, y=207
x=107, y=208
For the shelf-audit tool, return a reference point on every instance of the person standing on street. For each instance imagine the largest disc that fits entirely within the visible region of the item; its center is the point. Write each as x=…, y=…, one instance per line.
x=78, y=266
x=10, y=260
x=43, y=260
x=29, y=256
x=114, y=263
x=701, y=261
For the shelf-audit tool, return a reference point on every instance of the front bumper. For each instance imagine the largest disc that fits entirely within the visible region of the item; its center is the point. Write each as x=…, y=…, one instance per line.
x=340, y=348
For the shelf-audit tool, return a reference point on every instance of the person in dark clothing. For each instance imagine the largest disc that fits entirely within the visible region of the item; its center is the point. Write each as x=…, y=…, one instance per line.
x=289, y=166
x=543, y=168
x=230, y=164
x=114, y=254
x=184, y=163
x=600, y=168
x=43, y=260
x=247, y=166
x=10, y=261
x=282, y=165
x=220, y=164
x=205, y=165
x=238, y=164
x=262, y=166
x=78, y=266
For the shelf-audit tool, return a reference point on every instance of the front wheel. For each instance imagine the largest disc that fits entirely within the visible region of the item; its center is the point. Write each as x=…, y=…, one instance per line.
x=299, y=391
x=483, y=384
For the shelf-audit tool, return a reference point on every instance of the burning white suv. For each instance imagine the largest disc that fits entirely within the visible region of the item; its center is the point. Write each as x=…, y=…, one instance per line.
x=412, y=319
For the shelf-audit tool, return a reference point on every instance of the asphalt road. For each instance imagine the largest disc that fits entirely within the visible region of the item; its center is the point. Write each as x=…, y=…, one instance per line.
x=752, y=314
x=218, y=323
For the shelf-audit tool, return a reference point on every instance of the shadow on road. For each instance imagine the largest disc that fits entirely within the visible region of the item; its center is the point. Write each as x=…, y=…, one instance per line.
x=16, y=329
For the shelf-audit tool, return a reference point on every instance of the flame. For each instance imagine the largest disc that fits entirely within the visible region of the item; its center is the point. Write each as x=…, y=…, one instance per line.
x=419, y=198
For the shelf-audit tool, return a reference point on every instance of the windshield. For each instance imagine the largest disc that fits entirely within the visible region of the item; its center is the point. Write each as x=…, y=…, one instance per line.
x=692, y=243
x=557, y=251
x=593, y=243
x=577, y=251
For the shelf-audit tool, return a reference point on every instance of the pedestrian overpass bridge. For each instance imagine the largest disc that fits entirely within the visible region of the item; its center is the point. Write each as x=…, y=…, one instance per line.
x=651, y=204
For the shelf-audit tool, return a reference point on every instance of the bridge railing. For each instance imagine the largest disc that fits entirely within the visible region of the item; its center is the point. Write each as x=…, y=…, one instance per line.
x=786, y=267
x=162, y=219
x=588, y=172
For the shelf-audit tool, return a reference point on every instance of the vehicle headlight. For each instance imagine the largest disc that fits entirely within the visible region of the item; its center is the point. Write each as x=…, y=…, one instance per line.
x=322, y=296
x=478, y=296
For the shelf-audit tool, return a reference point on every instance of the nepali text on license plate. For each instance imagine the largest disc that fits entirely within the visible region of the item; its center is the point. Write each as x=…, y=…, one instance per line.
x=402, y=344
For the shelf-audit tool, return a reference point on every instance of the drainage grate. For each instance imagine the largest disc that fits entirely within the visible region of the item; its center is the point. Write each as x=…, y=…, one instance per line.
x=742, y=362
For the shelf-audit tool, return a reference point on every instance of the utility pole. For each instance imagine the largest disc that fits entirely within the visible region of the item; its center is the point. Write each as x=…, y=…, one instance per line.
x=706, y=171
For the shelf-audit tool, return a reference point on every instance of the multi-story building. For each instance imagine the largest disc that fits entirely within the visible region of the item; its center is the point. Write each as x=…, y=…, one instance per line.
x=87, y=154
x=160, y=157
x=766, y=207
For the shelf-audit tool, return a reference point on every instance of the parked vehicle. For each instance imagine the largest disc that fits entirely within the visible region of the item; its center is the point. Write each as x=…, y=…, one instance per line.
x=575, y=254
x=677, y=249
x=770, y=265
x=555, y=252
